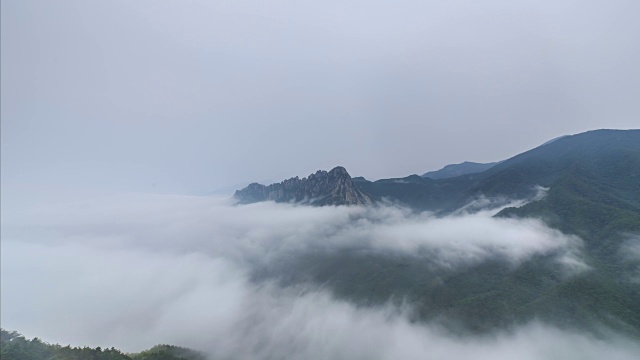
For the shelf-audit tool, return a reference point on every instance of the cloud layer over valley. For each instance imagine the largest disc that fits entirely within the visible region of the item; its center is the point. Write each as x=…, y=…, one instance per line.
x=135, y=270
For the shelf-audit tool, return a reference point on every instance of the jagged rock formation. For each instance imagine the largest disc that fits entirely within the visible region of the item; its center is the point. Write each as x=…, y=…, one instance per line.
x=322, y=188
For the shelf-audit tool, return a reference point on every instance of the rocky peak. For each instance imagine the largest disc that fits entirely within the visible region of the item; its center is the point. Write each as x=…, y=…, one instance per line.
x=320, y=188
x=339, y=171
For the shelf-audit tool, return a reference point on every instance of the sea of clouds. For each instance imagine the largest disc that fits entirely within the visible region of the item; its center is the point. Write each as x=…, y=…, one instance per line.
x=135, y=270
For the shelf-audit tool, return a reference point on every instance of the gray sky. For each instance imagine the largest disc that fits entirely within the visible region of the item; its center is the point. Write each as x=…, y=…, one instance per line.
x=190, y=96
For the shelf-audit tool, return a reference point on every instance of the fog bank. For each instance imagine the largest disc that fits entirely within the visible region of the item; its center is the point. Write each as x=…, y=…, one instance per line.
x=132, y=271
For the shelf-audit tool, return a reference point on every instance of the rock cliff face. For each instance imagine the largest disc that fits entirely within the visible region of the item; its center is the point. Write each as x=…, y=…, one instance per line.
x=322, y=188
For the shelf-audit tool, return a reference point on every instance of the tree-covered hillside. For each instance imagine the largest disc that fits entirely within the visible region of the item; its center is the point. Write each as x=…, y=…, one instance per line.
x=593, y=182
x=14, y=346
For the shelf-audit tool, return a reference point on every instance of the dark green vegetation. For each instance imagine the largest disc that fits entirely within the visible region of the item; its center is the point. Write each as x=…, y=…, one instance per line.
x=594, y=192
x=14, y=346
x=606, y=161
x=478, y=298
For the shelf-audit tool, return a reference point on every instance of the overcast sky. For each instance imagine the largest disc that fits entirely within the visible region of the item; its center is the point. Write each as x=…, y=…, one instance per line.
x=190, y=96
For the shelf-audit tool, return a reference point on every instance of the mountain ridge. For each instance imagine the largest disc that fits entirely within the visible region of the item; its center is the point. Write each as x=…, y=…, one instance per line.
x=453, y=170
x=334, y=187
x=515, y=178
x=593, y=182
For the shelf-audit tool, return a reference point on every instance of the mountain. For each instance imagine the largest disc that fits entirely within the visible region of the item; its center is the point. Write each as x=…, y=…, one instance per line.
x=607, y=159
x=601, y=167
x=611, y=156
x=591, y=185
x=453, y=170
x=594, y=186
x=322, y=188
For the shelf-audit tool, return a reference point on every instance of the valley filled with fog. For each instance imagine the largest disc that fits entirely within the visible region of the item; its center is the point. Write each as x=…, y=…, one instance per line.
x=134, y=270
x=449, y=180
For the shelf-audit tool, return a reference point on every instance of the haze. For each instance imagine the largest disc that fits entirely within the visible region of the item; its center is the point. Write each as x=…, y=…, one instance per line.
x=132, y=271
x=121, y=118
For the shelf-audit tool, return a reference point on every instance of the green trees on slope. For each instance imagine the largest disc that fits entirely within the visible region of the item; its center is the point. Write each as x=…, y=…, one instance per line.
x=14, y=346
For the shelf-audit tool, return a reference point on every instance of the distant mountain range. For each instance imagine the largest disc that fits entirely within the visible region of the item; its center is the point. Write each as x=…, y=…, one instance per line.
x=592, y=183
x=599, y=154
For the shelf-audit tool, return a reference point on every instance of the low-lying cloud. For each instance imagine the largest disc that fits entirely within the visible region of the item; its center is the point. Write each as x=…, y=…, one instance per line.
x=136, y=270
x=263, y=231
